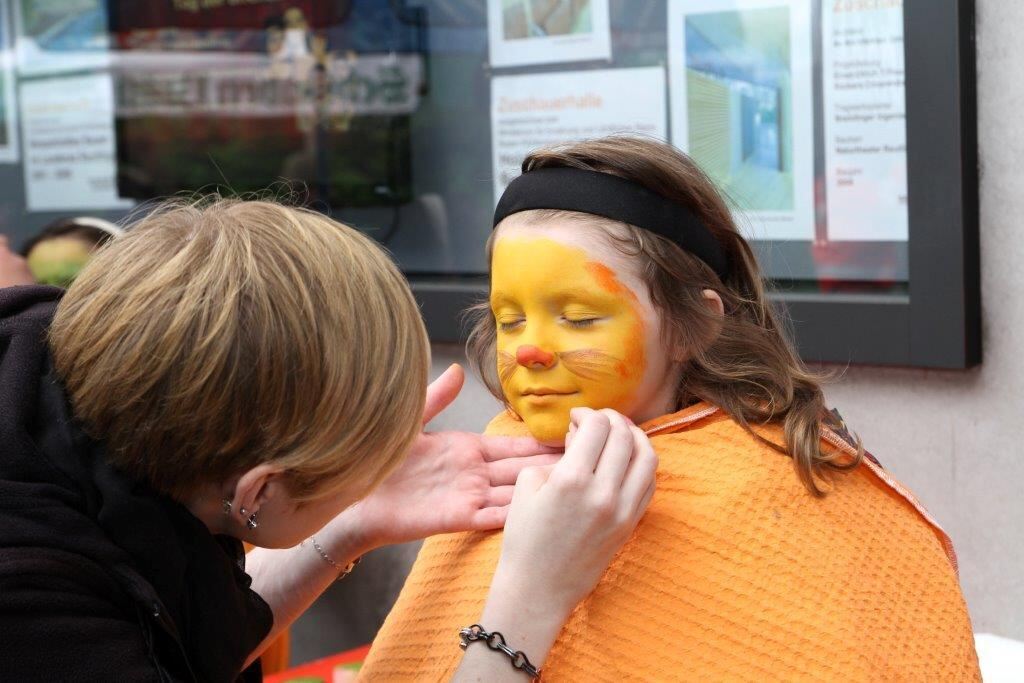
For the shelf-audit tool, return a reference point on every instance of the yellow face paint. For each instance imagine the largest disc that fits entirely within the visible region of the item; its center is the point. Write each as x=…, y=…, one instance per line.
x=570, y=334
x=57, y=260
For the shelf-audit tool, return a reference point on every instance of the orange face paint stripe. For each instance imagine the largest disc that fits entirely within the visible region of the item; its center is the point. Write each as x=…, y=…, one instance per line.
x=607, y=280
x=635, y=353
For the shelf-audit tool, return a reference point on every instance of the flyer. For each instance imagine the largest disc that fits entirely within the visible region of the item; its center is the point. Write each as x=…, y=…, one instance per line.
x=533, y=110
x=8, y=107
x=68, y=127
x=525, y=32
x=742, y=106
x=59, y=37
x=865, y=121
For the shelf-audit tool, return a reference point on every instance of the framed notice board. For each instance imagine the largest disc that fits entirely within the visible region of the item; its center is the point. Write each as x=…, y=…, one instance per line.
x=843, y=132
x=936, y=320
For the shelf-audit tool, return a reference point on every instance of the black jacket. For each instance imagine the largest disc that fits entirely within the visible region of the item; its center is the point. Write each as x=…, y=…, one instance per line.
x=101, y=579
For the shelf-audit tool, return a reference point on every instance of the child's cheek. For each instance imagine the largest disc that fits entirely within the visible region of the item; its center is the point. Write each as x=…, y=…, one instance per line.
x=618, y=390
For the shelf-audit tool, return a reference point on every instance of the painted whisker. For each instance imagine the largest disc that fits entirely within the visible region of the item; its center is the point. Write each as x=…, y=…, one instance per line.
x=506, y=366
x=590, y=364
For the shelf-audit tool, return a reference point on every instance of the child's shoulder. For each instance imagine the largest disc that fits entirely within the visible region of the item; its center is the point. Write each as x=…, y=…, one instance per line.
x=717, y=454
x=717, y=457
x=713, y=435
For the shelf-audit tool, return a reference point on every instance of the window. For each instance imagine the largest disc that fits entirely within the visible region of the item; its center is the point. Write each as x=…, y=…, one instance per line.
x=407, y=118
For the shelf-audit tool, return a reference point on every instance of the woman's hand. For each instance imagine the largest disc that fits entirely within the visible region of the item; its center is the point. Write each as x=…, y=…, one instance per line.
x=566, y=523
x=451, y=481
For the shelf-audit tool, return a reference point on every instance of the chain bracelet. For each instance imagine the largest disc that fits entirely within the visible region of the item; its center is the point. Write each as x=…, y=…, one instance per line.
x=496, y=641
x=343, y=572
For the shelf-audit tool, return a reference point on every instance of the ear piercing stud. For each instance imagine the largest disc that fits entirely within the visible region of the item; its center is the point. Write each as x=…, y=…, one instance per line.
x=250, y=521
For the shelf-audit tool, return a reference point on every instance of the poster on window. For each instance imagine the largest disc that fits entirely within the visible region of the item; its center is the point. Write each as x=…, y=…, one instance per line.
x=535, y=110
x=59, y=36
x=742, y=106
x=525, y=32
x=865, y=121
x=70, y=155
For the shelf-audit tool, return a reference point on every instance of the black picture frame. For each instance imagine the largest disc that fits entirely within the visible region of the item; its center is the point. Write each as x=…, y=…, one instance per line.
x=938, y=323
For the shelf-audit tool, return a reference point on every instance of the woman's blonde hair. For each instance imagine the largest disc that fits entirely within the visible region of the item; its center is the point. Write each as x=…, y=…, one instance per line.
x=220, y=334
x=744, y=364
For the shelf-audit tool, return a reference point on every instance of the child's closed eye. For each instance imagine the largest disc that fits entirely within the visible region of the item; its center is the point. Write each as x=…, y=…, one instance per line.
x=509, y=324
x=580, y=323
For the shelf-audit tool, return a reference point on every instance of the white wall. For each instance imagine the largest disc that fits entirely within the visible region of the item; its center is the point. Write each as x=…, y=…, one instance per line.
x=954, y=437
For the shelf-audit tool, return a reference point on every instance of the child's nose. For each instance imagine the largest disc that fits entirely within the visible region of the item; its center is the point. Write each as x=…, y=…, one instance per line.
x=534, y=358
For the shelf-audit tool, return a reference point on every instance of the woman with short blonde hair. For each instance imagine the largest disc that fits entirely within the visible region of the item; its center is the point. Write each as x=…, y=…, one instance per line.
x=235, y=371
x=318, y=332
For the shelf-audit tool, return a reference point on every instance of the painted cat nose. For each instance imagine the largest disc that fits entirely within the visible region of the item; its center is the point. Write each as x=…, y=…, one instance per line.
x=533, y=357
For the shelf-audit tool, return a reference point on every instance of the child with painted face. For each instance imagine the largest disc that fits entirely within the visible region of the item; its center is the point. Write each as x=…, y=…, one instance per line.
x=775, y=547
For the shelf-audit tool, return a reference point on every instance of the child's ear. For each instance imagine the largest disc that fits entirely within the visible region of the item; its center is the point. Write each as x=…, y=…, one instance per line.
x=714, y=302
x=717, y=309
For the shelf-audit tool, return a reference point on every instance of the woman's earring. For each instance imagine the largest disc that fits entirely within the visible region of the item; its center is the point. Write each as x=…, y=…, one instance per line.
x=251, y=521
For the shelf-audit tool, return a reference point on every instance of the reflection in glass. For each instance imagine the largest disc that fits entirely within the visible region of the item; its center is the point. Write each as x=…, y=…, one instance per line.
x=381, y=112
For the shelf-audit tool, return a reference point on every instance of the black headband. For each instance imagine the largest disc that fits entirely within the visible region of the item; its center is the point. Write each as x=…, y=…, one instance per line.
x=603, y=194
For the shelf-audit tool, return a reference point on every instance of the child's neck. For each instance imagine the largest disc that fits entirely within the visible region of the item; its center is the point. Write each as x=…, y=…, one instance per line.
x=662, y=403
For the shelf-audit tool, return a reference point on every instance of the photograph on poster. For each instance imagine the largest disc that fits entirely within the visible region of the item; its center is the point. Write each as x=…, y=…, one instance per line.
x=8, y=107
x=865, y=123
x=553, y=19
x=533, y=110
x=742, y=106
x=525, y=32
x=70, y=156
x=57, y=36
x=290, y=103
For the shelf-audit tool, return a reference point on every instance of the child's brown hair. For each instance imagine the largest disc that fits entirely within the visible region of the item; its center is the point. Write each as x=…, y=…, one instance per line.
x=743, y=363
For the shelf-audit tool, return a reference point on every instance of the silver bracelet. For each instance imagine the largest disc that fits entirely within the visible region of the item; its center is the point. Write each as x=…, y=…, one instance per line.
x=327, y=558
x=495, y=641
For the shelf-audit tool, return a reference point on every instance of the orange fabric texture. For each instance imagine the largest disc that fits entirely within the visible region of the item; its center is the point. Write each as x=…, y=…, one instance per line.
x=735, y=573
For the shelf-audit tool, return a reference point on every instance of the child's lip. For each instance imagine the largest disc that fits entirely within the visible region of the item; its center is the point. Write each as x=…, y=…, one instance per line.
x=544, y=391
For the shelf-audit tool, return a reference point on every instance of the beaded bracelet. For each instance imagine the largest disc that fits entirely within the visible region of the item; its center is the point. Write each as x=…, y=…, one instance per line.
x=496, y=641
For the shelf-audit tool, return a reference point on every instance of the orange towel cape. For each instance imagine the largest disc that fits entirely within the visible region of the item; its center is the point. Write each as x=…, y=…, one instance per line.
x=735, y=573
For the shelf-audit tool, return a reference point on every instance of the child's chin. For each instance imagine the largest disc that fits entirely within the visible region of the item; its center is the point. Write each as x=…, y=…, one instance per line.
x=552, y=442
x=547, y=433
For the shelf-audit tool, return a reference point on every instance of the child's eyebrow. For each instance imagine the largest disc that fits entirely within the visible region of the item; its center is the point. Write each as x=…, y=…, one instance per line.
x=499, y=299
x=585, y=295
x=561, y=295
